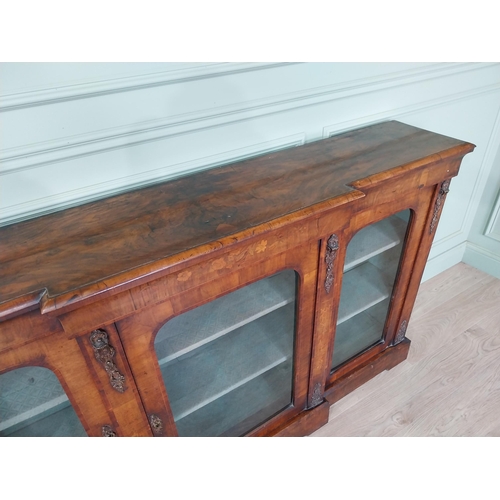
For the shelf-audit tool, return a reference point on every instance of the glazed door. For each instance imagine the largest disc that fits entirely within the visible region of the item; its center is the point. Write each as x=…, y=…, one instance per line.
x=369, y=274
x=228, y=365
x=59, y=385
x=227, y=356
x=361, y=289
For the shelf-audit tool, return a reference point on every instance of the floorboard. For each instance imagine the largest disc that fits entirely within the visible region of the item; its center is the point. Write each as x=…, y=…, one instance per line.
x=450, y=383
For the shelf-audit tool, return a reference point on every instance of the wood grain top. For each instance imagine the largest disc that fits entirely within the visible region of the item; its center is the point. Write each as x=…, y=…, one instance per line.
x=72, y=255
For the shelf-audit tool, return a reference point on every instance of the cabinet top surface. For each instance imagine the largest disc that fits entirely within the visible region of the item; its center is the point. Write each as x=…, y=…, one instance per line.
x=69, y=255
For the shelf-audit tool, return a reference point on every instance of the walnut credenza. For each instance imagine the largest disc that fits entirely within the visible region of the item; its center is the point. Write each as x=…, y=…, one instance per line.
x=242, y=300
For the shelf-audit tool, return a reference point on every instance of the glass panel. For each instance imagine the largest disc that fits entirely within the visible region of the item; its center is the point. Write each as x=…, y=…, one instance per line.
x=228, y=365
x=33, y=403
x=370, y=269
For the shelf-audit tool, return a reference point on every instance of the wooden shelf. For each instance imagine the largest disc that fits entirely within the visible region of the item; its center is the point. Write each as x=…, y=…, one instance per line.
x=363, y=287
x=374, y=239
x=206, y=323
x=215, y=369
x=64, y=423
x=30, y=394
x=358, y=333
x=247, y=406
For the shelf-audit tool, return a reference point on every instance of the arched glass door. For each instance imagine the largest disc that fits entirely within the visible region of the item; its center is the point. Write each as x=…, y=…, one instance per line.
x=228, y=364
x=370, y=270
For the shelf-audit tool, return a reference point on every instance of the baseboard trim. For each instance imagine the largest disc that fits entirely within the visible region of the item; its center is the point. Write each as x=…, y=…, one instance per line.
x=444, y=261
x=482, y=259
x=85, y=89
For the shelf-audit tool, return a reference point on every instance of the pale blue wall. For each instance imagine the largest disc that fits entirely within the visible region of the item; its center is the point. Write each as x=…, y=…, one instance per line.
x=483, y=245
x=74, y=132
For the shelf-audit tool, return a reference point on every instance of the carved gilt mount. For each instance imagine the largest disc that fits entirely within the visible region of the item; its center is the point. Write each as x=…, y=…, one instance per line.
x=443, y=191
x=107, y=431
x=401, y=332
x=156, y=424
x=317, y=396
x=104, y=353
x=332, y=247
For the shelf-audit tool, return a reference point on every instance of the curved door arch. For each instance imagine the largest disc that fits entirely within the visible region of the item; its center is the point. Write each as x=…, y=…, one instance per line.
x=227, y=357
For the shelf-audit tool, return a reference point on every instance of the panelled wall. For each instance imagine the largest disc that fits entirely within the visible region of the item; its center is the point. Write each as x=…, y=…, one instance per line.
x=483, y=245
x=74, y=132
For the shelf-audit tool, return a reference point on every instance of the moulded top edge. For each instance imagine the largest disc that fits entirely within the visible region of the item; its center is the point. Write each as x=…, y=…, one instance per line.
x=73, y=253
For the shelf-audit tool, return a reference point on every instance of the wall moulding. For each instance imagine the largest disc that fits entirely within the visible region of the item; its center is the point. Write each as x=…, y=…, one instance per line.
x=43, y=206
x=400, y=112
x=59, y=93
x=68, y=148
x=51, y=95
x=493, y=227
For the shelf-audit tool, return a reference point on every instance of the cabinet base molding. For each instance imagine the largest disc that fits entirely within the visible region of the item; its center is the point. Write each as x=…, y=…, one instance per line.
x=305, y=423
x=385, y=360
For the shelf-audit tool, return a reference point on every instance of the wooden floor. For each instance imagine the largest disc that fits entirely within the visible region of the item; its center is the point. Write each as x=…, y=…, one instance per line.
x=450, y=383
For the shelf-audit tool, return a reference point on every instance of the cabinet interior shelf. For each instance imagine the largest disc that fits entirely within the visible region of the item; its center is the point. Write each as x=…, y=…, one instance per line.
x=234, y=413
x=373, y=240
x=368, y=274
x=215, y=369
x=359, y=333
x=29, y=394
x=362, y=288
x=215, y=319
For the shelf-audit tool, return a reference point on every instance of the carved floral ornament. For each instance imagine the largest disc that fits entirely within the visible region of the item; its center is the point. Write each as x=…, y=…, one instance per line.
x=156, y=424
x=332, y=247
x=104, y=353
x=401, y=332
x=107, y=431
x=443, y=191
x=317, y=396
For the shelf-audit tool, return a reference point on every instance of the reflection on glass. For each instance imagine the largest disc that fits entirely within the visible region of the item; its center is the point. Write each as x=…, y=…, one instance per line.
x=228, y=365
x=33, y=403
x=371, y=265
